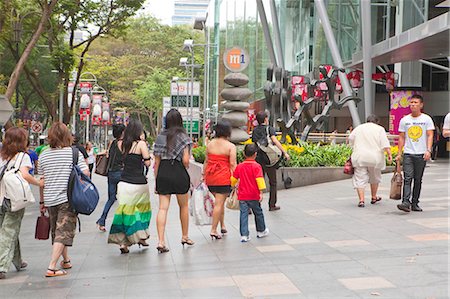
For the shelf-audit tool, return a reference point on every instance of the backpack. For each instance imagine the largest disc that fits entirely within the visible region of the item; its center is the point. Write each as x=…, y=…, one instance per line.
x=273, y=153
x=13, y=185
x=82, y=194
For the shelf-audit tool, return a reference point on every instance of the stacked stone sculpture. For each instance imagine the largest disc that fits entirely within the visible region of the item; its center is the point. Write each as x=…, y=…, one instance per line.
x=235, y=104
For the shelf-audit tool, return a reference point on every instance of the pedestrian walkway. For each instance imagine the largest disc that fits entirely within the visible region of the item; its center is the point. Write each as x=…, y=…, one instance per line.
x=321, y=245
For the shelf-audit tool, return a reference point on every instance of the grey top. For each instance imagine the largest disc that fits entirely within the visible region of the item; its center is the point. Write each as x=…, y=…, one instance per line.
x=176, y=153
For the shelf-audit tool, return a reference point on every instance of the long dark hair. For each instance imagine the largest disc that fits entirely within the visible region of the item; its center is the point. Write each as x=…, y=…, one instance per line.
x=132, y=133
x=174, y=126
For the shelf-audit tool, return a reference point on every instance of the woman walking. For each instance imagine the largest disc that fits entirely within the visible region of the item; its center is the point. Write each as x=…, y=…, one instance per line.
x=91, y=157
x=14, y=144
x=63, y=219
x=115, y=166
x=220, y=163
x=172, y=153
x=132, y=217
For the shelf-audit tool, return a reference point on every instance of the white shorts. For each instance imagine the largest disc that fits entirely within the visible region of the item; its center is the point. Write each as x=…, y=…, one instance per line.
x=364, y=175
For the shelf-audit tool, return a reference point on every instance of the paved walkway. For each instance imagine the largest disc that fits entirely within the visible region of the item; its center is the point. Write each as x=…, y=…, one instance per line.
x=321, y=246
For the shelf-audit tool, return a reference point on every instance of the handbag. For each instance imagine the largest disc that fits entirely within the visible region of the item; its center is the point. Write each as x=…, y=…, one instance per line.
x=396, y=184
x=273, y=153
x=348, y=167
x=232, y=201
x=103, y=162
x=15, y=187
x=42, y=227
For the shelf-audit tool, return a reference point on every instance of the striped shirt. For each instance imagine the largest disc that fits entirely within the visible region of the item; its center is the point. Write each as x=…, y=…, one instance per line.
x=55, y=164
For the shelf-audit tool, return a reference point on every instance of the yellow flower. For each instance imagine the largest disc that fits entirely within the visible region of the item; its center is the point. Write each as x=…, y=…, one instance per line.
x=248, y=141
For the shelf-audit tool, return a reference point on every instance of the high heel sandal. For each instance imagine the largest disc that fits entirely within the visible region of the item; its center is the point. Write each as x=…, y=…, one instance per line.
x=214, y=236
x=223, y=231
x=187, y=241
x=142, y=243
x=162, y=249
x=124, y=249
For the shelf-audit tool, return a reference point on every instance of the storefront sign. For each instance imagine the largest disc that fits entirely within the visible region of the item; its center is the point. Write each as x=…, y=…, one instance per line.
x=236, y=59
x=399, y=107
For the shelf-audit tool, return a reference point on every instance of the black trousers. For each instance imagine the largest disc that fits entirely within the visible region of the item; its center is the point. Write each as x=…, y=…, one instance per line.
x=271, y=173
x=413, y=168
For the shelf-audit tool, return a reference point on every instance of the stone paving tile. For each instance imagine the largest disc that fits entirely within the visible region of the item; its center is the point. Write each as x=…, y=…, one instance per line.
x=322, y=212
x=319, y=258
x=439, y=222
x=274, y=248
x=265, y=284
x=429, y=237
x=304, y=240
x=206, y=282
x=347, y=243
x=364, y=283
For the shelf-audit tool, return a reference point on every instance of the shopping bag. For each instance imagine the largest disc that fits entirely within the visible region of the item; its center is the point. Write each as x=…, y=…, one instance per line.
x=202, y=205
x=348, y=167
x=396, y=184
x=232, y=201
x=42, y=227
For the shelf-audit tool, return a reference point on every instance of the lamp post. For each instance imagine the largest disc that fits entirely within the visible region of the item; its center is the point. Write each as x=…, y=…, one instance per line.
x=190, y=97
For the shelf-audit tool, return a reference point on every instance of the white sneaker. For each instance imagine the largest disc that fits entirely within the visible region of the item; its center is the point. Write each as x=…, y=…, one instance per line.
x=263, y=234
x=245, y=239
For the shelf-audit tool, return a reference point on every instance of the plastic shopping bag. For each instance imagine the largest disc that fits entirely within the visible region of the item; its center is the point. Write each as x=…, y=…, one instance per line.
x=202, y=205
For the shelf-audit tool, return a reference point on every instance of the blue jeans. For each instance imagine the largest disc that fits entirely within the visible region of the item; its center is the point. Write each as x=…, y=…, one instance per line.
x=413, y=168
x=113, y=180
x=244, y=206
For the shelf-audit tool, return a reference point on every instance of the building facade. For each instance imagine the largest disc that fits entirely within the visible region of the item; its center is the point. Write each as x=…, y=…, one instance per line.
x=407, y=37
x=186, y=10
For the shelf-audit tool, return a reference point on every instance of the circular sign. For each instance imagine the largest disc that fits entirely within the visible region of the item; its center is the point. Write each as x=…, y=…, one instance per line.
x=236, y=59
x=36, y=127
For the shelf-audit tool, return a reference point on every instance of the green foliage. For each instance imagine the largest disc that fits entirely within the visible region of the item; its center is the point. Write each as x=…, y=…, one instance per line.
x=313, y=155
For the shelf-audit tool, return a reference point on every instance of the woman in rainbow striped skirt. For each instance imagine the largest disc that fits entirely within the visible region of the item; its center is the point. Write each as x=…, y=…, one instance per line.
x=132, y=217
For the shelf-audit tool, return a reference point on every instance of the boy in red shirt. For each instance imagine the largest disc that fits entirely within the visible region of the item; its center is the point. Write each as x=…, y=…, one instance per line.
x=251, y=183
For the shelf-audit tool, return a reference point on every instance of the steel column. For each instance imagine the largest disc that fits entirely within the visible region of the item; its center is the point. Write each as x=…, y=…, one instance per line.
x=276, y=33
x=369, y=103
x=267, y=37
x=347, y=90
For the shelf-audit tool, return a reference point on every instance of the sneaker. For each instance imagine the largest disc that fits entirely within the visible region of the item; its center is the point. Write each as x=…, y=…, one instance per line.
x=404, y=206
x=263, y=234
x=416, y=208
x=245, y=239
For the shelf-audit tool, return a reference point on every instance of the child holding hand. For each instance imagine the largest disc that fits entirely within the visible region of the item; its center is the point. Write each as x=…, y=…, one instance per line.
x=249, y=174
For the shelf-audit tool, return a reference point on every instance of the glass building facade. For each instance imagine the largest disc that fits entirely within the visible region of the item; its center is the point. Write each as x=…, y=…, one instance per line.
x=304, y=46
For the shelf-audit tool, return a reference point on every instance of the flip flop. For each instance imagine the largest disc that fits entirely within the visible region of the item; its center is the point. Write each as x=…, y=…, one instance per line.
x=375, y=200
x=66, y=265
x=361, y=204
x=55, y=272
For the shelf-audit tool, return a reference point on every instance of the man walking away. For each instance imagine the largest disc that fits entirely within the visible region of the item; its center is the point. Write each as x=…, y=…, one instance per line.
x=416, y=136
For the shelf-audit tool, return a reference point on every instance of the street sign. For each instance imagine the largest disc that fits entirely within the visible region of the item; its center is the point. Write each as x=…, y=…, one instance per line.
x=183, y=88
x=6, y=110
x=184, y=101
x=36, y=126
x=195, y=126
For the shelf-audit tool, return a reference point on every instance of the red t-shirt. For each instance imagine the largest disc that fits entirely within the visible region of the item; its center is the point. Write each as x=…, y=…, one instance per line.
x=251, y=180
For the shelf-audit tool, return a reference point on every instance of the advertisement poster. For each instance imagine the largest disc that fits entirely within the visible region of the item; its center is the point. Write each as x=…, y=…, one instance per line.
x=399, y=107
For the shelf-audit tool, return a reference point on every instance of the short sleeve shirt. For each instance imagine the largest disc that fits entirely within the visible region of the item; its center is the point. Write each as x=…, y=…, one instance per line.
x=56, y=179
x=33, y=156
x=446, y=125
x=415, y=129
x=260, y=134
x=251, y=180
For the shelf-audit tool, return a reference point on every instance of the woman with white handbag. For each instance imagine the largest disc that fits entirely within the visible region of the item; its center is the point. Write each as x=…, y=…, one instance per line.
x=15, y=165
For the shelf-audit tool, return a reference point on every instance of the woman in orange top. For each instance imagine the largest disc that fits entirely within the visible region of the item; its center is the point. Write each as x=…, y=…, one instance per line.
x=220, y=163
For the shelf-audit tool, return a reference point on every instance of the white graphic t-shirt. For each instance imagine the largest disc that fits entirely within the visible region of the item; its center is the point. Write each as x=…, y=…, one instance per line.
x=415, y=129
x=446, y=125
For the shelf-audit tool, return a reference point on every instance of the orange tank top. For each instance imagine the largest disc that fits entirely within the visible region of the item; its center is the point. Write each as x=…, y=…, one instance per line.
x=217, y=172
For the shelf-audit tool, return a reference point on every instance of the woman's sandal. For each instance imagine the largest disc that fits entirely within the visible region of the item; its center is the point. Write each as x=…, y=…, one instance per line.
x=162, y=249
x=66, y=264
x=187, y=241
x=55, y=272
x=142, y=243
x=375, y=200
x=361, y=204
x=101, y=228
x=124, y=249
x=223, y=231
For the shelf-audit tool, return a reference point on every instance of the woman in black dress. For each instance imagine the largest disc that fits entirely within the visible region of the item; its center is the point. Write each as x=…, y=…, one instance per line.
x=172, y=153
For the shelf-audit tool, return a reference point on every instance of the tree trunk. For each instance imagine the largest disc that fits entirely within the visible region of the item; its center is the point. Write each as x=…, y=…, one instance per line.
x=46, y=12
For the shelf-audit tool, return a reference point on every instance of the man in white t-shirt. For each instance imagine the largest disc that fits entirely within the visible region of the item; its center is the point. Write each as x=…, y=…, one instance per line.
x=416, y=137
x=446, y=126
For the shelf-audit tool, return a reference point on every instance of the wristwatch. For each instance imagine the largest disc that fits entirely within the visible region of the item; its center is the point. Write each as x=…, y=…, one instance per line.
x=429, y=150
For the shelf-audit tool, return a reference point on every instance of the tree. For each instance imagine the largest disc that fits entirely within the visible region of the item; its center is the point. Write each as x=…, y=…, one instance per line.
x=47, y=8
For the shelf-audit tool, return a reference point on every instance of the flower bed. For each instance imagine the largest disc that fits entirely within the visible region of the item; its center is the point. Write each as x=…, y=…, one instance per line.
x=303, y=155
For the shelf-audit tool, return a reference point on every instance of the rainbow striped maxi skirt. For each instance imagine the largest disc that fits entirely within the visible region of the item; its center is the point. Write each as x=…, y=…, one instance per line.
x=132, y=217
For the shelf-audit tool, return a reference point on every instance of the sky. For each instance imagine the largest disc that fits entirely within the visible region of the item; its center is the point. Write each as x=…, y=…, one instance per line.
x=161, y=9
